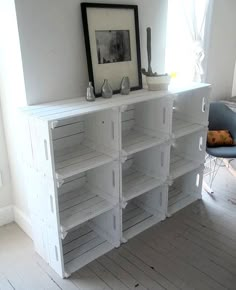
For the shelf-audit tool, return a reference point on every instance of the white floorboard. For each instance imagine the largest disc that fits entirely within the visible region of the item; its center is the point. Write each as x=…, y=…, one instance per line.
x=194, y=249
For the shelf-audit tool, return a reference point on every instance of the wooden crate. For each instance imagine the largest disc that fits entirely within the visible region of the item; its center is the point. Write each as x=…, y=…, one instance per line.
x=185, y=190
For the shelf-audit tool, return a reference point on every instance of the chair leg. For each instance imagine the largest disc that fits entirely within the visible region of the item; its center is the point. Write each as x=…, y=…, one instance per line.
x=214, y=164
x=207, y=188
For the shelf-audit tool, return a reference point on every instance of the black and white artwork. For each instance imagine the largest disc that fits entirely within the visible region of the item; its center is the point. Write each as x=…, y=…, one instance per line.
x=113, y=46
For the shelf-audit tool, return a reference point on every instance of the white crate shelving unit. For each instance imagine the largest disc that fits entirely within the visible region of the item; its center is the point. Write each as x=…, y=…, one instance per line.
x=99, y=173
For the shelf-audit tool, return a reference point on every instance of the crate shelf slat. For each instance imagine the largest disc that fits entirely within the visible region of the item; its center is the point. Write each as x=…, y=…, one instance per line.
x=185, y=190
x=134, y=141
x=82, y=158
x=136, y=220
x=182, y=128
x=85, y=246
x=80, y=207
x=136, y=183
x=180, y=165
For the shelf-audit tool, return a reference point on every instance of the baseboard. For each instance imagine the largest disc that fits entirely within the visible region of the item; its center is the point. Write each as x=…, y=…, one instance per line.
x=11, y=213
x=6, y=215
x=23, y=221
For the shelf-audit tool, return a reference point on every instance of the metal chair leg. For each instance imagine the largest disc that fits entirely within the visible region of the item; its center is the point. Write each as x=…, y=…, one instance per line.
x=214, y=166
x=207, y=188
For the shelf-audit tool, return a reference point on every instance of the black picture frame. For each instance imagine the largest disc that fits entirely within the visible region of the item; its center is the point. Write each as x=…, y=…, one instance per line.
x=137, y=85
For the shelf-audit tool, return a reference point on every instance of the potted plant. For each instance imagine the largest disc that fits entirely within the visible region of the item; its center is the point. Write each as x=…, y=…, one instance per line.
x=155, y=81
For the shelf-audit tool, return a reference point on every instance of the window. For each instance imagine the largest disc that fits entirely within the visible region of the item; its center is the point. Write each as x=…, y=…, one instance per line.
x=186, y=35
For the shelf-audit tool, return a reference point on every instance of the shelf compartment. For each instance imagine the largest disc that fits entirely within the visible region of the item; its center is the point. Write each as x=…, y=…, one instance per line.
x=86, y=195
x=91, y=240
x=188, y=153
x=192, y=108
x=144, y=211
x=134, y=141
x=81, y=206
x=81, y=158
x=85, y=142
x=136, y=183
x=185, y=190
x=145, y=125
x=144, y=171
x=180, y=165
x=181, y=128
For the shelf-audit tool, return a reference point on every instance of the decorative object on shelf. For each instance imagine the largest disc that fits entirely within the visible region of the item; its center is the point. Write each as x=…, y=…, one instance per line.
x=125, y=86
x=112, y=43
x=106, y=90
x=158, y=83
x=155, y=81
x=90, y=97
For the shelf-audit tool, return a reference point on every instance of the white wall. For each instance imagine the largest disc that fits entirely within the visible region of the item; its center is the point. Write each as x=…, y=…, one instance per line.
x=52, y=45
x=12, y=95
x=5, y=190
x=50, y=64
x=222, y=48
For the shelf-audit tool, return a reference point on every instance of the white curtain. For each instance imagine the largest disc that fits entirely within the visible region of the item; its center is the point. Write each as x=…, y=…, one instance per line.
x=185, y=38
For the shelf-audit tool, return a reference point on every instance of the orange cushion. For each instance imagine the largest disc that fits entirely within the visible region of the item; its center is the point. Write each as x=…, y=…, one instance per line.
x=219, y=138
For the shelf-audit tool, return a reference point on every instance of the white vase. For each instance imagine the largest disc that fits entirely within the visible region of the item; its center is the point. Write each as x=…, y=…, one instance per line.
x=158, y=83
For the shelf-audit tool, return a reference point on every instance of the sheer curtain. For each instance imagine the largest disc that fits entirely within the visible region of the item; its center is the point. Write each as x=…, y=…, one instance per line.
x=186, y=38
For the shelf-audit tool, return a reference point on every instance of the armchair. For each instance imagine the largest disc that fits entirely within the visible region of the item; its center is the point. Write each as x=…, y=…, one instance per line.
x=221, y=117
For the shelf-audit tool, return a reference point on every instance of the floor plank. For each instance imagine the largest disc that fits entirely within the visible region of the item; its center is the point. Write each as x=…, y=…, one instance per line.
x=85, y=279
x=185, y=256
x=133, y=270
x=148, y=269
x=107, y=276
x=120, y=273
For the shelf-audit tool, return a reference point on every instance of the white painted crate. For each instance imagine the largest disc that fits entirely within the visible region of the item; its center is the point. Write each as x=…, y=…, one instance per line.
x=81, y=143
x=90, y=240
x=88, y=194
x=146, y=124
x=187, y=153
x=185, y=190
x=144, y=171
x=144, y=211
x=56, y=212
x=190, y=111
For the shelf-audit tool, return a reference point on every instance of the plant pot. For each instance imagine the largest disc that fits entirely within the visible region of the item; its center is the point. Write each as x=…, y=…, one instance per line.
x=158, y=83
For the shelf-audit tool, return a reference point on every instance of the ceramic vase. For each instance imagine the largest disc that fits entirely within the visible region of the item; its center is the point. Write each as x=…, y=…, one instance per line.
x=106, y=89
x=125, y=86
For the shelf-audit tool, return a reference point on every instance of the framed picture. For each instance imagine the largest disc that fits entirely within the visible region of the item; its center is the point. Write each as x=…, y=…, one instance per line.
x=112, y=43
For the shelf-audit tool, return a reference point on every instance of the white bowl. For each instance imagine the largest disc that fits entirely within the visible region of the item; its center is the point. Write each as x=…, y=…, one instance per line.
x=158, y=83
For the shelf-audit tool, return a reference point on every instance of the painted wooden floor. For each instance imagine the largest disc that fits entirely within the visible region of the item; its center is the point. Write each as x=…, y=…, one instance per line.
x=195, y=249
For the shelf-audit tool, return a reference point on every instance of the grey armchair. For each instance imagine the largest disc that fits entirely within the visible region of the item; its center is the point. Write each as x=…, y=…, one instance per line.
x=221, y=117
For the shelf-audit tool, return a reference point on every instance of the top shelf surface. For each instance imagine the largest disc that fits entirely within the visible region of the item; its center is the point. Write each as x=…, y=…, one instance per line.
x=60, y=110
